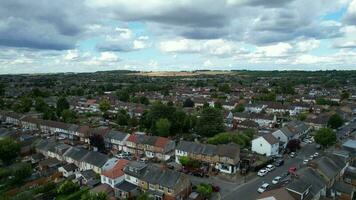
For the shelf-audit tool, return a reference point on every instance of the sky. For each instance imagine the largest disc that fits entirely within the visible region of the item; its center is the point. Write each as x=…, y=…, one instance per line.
x=45, y=36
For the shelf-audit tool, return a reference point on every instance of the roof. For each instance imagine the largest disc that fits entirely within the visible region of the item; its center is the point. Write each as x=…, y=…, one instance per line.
x=132, y=138
x=95, y=158
x=88, y=174
x=117, y=170
x=276, y=194
x=224, y=150
x=330, y=166
x=125, y=186
x=75, y=153
x=310, y=176
x=350, y=144
x=162, y=142
x=343, y=187
x=116, y=135
x=299, y=186
x=70, y=167
x=270, y=138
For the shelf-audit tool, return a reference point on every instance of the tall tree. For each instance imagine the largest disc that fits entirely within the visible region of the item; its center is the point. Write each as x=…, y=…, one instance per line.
x=62, y=104
x=97, y=141
x=325, y=137
x=188, y=103
x=40, y=104
x=104, y=105
x=335, y=121
x=162, y=127
x=9, y=150
x=210, y=122
x=68, y=116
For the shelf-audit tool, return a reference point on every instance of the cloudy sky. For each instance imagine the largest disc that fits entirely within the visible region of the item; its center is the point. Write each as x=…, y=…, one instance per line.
x=91, y=35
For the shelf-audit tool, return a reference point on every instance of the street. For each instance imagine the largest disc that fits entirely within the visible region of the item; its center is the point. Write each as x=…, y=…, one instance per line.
x=248, y=191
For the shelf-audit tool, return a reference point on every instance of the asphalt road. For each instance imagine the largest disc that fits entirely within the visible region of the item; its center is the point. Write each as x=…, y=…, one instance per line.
x=248, y=191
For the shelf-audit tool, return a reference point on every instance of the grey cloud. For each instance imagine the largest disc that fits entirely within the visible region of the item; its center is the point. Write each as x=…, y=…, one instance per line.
x=42, y=24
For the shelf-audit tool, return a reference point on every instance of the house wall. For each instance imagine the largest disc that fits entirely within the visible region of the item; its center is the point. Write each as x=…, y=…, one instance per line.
x=281, y=137
x=110, y=181
x=261, y=146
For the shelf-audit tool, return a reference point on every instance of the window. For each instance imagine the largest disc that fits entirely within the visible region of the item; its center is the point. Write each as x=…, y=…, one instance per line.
x=152, y=187
x=161, y=187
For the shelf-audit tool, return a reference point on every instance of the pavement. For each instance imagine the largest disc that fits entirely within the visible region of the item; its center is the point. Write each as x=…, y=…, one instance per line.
x=246, y=188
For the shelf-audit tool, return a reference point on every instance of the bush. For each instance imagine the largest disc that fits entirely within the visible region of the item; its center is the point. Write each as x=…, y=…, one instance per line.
x=205, y=190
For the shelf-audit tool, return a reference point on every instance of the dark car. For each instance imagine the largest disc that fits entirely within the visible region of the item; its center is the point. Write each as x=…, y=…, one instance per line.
x=279, y=162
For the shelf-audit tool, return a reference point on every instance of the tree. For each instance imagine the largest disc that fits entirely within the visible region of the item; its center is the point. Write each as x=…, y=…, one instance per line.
x=210, y=122
x=40, y=105
x=293, y=145
x=162, y=127
x=205, y=190
x=123, y=95
x=21, y=172
x=67, y=187
x=62, y=104
x=218, y=105
x=49, y=114
x=225, y=88
x=24, y=105
x=144, y=100
x=345, y=95
x=9, y=150
x=122, y=118
x=104, y=105
x=68, y=116
x=239, y=108
x=97, y=141
x=144, y=196
x=94, y=196
x=188, y=103
x=325, y=137
x=335, y=121
x=302, y=116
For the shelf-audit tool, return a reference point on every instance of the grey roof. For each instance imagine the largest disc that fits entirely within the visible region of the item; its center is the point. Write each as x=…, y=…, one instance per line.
x=270, y=138
x=330, y=166
x=76, y=153
x=125, y=186
x=95, y=158
x=70, y=167
x=116, y=135
x=343, y=187
x=231, y=150
x=298, y=185
x=88, y=174
x=164, y=177
x=350, y=144
x=310, y=176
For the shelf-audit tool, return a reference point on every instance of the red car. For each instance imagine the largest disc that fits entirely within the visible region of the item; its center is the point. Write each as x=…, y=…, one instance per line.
x=292, y=170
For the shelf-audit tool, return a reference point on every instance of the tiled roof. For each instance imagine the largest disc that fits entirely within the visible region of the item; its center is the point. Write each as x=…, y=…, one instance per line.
x=117, y=170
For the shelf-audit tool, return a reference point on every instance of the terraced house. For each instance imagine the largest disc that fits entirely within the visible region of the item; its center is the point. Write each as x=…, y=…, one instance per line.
x=161, y=183
x=151, y=146
x=224, y=158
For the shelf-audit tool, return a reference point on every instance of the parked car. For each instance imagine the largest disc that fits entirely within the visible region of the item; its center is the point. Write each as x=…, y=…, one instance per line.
x=316, y=154
x=292, y=154
x=279, y=162
x=262, y=172
x=276, y=179
x=263, y=188
x=270, y=168
x=305, y=161
x=311, y=157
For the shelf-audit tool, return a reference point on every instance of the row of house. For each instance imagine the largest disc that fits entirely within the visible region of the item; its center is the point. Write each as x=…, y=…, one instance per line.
x=323, y=178
x=224, y=158
x=270, y=143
